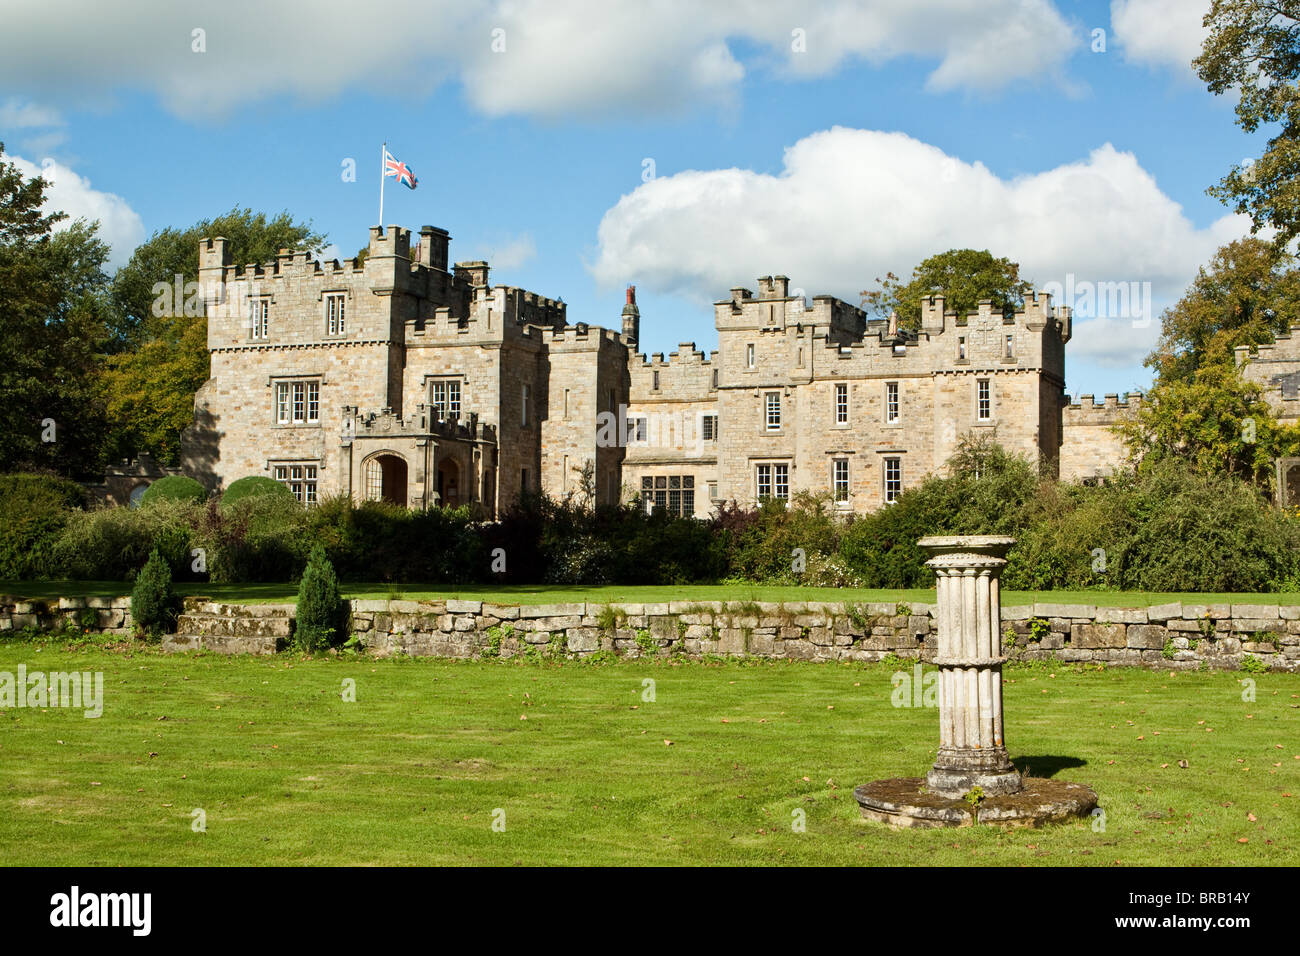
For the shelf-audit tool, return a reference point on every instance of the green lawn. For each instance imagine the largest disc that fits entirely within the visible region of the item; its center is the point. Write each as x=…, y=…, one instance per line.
x=632, y=594
x=411, y=772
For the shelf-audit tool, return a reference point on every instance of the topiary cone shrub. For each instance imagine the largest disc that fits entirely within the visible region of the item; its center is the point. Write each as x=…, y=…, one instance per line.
x=321, y=612
x=153, y=603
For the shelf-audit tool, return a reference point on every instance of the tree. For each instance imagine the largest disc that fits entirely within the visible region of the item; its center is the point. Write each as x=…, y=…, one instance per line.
x=54, y=303
x=170, y=252
x=1215, y=421
x=1248, y=293
x=962, y=276
x=1253, y=48
x=160, y=361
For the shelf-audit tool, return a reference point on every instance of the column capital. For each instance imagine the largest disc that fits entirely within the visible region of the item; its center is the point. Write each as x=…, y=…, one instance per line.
x=966, y=552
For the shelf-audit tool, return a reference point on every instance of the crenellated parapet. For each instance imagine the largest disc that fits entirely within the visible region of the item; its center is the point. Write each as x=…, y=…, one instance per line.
x=421, y=423
x=1036, y=315
x=1110, y=410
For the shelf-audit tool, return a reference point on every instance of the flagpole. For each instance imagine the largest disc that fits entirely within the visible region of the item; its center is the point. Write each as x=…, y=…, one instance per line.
x=383, y=155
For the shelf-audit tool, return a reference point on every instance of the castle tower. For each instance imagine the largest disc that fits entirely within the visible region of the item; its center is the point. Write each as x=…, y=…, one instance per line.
x=631, y=317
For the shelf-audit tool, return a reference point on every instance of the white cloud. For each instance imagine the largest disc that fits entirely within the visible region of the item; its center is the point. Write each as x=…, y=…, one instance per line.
x=553, y=57
x=1113, y=343
x=1164, y=33
x=851, y=205
x=512, y=253
x=20, y=114
x=119, y=225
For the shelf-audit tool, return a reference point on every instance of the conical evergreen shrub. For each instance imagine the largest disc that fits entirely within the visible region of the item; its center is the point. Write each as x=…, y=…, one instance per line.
x=152, y=600
x=320, y=609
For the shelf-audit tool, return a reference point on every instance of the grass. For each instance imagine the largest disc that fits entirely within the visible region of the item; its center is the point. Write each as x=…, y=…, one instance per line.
x=632, y=594
x=431, y=752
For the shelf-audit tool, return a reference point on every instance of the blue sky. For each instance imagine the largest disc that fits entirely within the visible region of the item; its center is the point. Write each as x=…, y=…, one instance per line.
x=887, y=131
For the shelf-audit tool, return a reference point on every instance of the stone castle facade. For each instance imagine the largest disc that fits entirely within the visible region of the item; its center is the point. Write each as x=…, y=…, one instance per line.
x=1275, y=368
x=396, y=377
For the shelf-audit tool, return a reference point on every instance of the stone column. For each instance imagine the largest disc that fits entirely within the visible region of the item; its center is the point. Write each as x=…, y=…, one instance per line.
x=972, y=749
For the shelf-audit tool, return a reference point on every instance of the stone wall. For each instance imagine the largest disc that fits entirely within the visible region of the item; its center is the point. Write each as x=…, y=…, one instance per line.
x=99, y=615
x=1172, y=636
x=1169, y=636
x=1090, y=446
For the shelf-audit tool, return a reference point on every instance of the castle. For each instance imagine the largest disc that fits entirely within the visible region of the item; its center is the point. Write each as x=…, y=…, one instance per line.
x=394, y=377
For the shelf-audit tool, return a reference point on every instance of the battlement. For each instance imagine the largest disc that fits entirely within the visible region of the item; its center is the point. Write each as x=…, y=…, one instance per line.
x=1037, y=315
x=214, y=256
x=686, y=354
x=1111, y=410
x=395, y=241
x=578, y=334
x=1283, y=348
x=773, y=287
x=422, y=423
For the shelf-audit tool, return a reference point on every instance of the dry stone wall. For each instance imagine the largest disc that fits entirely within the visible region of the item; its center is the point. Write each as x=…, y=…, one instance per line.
x=99, y=615
x=1172, y=636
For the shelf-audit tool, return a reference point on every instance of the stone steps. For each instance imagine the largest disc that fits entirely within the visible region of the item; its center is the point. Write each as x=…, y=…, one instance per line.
x=231, y=628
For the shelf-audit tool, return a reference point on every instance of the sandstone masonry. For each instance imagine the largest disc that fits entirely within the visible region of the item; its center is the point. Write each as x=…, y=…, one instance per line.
x=399, y=376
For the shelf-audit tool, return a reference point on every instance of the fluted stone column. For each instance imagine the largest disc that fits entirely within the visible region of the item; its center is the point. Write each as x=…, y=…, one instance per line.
x=972, y=749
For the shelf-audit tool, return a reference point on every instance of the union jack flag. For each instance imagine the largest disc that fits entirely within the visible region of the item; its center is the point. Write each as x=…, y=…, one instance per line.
x=403, y=172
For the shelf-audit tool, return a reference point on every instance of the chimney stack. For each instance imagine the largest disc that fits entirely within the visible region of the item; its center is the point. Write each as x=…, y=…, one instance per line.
x=631, y=318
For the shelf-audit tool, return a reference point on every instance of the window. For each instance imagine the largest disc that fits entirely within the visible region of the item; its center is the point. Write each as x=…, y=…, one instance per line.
x=1011, y=346
x=713, y=490
x=674, y=494
x=637, y=429
x=297, y=403
x=259, y=318
x=773, y=481
x=983, y=400
x=841, y=404
x=781, y=481
x=709, y=428
x=840, y=479
x=655, y=383
x=773, y=411
x=961, y=348
x=566, y=403
x=749, y=355
x=523, y=406
x=715, y=378
x=523, y=480
x=300, y=479
x=893, y=479
x=891, y=403
x=335, y=321
x=445, y=399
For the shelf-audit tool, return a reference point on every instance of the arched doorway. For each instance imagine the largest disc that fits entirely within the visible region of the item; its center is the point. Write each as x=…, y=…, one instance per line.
x=385, y=477
x=449, y=491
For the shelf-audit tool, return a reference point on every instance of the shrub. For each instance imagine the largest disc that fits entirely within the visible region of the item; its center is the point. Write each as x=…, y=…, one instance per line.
x=319, y=617
x=152, y=599
x=762, y=547
x=174, y=488
x=33, y=512
x=258, y=538
x=252, y=487
x=114, y=543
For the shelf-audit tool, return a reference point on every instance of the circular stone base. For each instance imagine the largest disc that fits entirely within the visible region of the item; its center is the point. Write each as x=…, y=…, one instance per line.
x=903, y=802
